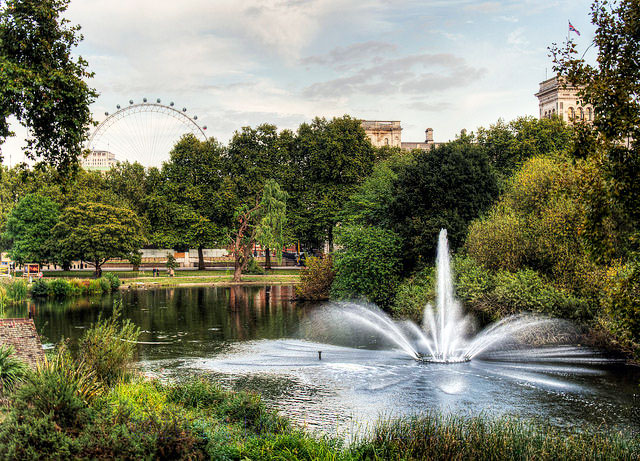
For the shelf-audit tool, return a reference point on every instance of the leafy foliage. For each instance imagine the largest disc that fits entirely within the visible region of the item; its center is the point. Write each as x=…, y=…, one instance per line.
x=108, y=347
x=28, y=228
x=368, y=265
x=96, y=233
x=12, y=370
x=273, y=210
x=447, y=188
x=41, y=83
x=316, y=279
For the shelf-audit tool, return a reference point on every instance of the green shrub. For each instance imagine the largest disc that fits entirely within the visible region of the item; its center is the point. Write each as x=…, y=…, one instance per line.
x=105, y=284
x=242, y=408
x=34, y=437
x=316, y=279
x=59, y=288
x=17, y=290
x=76, y=287
x=12, y=370
x=621, y=303
x=61, y=387
x=526, y=291
x=171, y=261
x=108, y=347
x=368, y=265
x=39, y=289
x=95, y=287
x=414, y=293
x=253, y=268
x=114, y=281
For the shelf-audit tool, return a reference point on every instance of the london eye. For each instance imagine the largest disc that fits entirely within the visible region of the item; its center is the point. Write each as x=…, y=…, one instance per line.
x=144, y=132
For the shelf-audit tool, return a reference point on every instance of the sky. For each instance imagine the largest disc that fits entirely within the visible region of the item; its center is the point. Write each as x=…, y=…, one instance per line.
x=448, y=65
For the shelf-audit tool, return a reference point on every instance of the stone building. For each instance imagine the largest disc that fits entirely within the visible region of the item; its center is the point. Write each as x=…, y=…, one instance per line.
x=555, y=98
x=383, y=133
x=389, y=133
x=100, y=160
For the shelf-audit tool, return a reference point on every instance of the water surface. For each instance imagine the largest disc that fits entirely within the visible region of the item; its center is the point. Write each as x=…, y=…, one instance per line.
x=255, y=338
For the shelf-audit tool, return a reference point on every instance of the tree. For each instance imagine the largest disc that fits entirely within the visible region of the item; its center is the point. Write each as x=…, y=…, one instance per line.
x=96, y=233
x=270, y=230
x=41, y=84
x=265, y=217
x=330, y=159
x=446, y=187
x=612, y=87
x=368, y=264
x=28, y=228
x=194, y=203
x=509, y=145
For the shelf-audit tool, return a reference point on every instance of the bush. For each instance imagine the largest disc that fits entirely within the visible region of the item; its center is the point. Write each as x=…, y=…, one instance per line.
x=95, y=287
x=105, y=285
x=59, y=288
x=621, y=302
x=368, y=265
x=414, y=293
x=114, y=281
x=316, y=279
x=39, y=289
x=108, y=347
x=60, y=387
x=253, y=268
x=17, y=290
x=77, y=287
x=12, y=370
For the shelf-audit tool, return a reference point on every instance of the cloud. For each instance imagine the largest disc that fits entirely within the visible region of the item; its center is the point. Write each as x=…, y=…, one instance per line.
x=484, y=7
x=407, y=75
x=345, y=57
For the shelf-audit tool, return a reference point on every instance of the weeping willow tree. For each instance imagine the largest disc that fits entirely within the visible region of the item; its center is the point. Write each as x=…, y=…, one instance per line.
x=270, y=229
x=264, y=223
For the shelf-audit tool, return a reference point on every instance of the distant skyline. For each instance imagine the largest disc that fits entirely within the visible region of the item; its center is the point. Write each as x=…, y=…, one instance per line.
x=442, y=64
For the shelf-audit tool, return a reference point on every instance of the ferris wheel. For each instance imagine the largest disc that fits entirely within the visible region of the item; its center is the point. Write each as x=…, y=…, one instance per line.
x=144, y=132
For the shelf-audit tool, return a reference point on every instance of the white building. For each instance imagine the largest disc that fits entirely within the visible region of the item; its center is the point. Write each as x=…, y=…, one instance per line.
x=556, y=98
x=100, y=160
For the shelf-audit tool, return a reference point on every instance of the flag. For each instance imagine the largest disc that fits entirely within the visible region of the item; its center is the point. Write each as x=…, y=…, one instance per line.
x=573, y=29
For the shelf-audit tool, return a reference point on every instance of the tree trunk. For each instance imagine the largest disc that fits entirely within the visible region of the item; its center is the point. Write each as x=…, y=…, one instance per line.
x=242, y=258
x=267, y=261
x=200, y=259
x=98, y=271
x=66, y=266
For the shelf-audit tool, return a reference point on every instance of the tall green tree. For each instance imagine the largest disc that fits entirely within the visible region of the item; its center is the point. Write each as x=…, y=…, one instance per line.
x=509, y=145
x=41, y=83
x=270, y=233
x=265, y=219
x=330, y=159
x=446, y=187
x=28, y=229
x=193, y=206
x=95, y=233
x=612, y=87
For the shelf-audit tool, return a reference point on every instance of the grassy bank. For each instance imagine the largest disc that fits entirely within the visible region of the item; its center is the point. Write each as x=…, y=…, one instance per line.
x=146, y=273
x=197, y=419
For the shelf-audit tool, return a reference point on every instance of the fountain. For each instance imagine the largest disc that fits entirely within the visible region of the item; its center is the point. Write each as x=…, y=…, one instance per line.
x=446, y=335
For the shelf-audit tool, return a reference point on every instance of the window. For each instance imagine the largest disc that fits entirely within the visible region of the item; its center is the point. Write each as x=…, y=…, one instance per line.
x=580, y=114
x=572, y=114
x=589, y=114
x=386, y=141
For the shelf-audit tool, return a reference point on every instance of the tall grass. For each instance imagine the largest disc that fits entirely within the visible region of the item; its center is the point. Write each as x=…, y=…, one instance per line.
x=440, y=437
x=12, y=370
x=108, y=347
